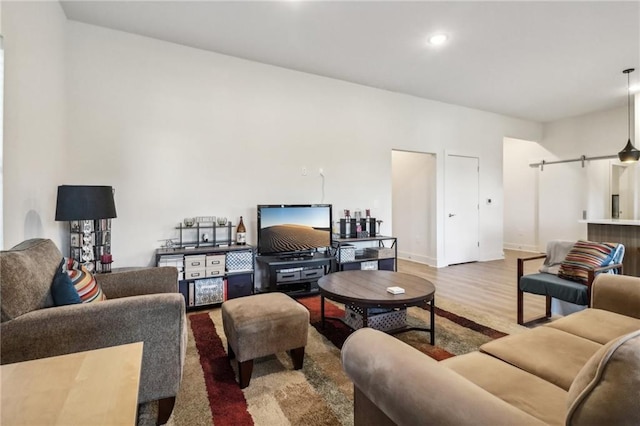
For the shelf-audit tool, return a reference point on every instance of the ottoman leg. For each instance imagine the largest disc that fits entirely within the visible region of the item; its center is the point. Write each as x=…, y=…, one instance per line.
x=297, y=356
x=230, y=353
x=244, y=373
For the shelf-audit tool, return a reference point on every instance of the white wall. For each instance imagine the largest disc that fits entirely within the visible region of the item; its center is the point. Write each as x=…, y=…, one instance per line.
x=521, y=193
x=414, y=205
x=183, y=132
x=34, y=152
x=1, y=133
x=565, y=192
x=569, y=191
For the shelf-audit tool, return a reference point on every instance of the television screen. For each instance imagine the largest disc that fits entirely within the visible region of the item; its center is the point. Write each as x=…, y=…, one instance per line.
x=290, y=229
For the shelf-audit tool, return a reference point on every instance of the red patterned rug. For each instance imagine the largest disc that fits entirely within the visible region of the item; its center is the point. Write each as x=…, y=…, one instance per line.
x=319, y=394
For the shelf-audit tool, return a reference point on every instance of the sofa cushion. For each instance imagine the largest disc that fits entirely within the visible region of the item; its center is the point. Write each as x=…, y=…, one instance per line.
x=523, y=390
x=62, y=289
x=551, y=354
x=586, y=255
x=26, y=274
x=606, y=390
x=596, y=325
x=554, y=286
x=84, y=282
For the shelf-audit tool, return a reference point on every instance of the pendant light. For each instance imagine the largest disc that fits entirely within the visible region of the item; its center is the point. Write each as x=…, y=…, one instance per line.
x=629, y=154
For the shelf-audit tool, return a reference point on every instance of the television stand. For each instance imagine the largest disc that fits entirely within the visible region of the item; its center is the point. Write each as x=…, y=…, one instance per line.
x=295, y=275
x=295, y=256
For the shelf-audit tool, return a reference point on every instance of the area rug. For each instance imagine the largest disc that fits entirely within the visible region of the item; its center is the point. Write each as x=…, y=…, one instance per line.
x=320, y=393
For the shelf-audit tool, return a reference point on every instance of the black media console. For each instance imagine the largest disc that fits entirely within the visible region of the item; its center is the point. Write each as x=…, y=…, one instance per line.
x=295, y=276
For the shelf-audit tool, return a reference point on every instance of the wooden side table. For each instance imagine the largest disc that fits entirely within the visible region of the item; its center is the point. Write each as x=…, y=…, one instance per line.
x=83, y=388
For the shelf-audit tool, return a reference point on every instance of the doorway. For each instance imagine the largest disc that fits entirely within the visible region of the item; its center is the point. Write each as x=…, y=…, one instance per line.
x=462, y=209
x=413, y=199
x=623, y=190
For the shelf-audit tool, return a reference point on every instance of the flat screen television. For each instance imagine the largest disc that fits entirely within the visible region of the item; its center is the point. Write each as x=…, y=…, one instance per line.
x=293, y=229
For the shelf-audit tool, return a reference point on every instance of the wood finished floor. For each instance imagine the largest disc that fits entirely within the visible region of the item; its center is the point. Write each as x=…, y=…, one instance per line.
x=488, y=287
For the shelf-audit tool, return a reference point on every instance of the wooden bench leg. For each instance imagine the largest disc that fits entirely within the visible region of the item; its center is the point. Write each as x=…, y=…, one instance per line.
x=520, y=306
x=244, y=373
x=548, y=306
x=165, y=408
x=297, y=356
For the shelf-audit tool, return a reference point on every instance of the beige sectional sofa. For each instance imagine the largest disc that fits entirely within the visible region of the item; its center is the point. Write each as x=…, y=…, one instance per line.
x=580, y=369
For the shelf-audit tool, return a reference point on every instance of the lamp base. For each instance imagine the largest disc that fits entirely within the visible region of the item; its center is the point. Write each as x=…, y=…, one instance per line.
x=89, y=242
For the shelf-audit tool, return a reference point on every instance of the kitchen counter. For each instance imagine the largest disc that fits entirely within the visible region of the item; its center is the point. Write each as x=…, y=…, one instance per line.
x=631, y=222
x=623, y=231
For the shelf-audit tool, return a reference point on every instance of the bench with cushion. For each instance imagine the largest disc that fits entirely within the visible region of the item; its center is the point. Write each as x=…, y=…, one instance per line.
x=568, y=272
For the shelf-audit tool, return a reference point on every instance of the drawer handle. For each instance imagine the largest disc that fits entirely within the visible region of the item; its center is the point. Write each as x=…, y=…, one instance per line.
x=215, y=273
x=288, y=276
x=195, y=263
x=215, y=262
x=195, y=274
x=307, y=274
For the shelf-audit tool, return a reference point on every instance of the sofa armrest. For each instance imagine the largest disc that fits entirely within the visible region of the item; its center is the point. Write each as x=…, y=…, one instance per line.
x=139, y=281
x=157, y=320
x=616, y=293
x=409, y=387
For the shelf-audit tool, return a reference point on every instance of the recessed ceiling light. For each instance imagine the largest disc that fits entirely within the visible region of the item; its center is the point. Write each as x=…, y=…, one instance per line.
x=438, y=39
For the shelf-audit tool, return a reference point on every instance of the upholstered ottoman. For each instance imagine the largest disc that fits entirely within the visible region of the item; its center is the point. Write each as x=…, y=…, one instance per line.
x=261, y=325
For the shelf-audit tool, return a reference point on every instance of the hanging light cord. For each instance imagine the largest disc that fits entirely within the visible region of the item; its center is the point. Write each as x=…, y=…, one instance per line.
x=629, y=104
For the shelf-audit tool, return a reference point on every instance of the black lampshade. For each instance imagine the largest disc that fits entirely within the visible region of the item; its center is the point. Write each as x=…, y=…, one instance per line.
x=85, y=202
x=629, y=153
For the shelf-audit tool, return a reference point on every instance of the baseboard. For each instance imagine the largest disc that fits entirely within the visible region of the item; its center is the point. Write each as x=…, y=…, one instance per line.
x=486, y=257
x=412, y=257
x=521, y=247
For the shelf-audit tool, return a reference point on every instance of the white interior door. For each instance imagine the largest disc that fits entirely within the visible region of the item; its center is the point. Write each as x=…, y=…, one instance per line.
x=461, y=238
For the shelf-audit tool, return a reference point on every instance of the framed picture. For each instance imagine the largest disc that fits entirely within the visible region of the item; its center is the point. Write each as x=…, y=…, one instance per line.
x=75, y=226
x=76, y=253
x=75, y=240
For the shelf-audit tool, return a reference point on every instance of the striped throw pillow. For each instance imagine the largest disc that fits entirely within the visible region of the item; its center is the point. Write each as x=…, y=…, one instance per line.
x=84, y=282
x=586, y=255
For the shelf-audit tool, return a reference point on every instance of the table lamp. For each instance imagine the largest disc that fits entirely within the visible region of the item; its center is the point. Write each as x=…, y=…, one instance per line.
x=89, y=210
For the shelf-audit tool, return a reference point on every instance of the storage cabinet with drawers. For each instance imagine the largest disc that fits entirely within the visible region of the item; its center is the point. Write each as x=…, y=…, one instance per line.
x=211, y=275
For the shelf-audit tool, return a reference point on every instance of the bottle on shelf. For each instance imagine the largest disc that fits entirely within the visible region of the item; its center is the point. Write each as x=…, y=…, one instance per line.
x=347, y=218
x=241, y=233
x=367, y=222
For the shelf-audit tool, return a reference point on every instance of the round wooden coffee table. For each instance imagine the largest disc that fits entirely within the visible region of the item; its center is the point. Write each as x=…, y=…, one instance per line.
x=368, y=289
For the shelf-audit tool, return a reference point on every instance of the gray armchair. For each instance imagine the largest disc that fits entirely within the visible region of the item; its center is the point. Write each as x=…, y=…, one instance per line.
x=142, y=305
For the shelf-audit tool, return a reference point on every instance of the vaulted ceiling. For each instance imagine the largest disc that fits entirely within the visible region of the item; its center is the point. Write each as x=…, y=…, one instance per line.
x=536, y=60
